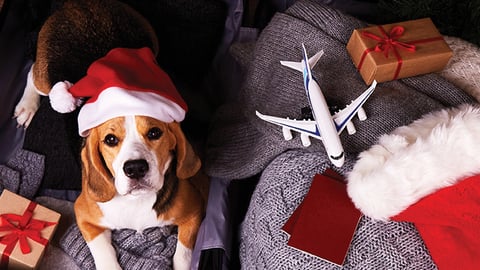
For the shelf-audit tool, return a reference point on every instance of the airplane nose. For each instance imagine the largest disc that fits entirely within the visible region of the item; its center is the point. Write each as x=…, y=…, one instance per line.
x=338, y=163
x=338, y=160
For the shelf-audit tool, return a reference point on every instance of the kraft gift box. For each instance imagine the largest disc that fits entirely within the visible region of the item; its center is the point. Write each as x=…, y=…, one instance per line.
x=25, y=229
x=399, y=50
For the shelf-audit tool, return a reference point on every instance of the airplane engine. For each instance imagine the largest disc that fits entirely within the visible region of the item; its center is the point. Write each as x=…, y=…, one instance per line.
x=351, y=128
x=287, y=133
x=305, y=139
x=362, y=115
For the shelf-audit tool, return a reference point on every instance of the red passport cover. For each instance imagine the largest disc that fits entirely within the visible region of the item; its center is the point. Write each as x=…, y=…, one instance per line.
x=325, y=222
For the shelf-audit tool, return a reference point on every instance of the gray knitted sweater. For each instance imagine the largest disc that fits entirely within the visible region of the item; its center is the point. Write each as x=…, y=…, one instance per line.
x=241, y=145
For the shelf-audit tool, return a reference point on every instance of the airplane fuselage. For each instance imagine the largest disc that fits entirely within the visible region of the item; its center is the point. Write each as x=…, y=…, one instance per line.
x=326, y=126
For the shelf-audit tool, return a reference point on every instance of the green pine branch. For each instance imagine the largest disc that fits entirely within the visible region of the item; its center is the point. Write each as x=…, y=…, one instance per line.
x=452, y=17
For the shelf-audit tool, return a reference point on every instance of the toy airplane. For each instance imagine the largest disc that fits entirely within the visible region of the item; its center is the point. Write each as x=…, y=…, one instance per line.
x=324, y=126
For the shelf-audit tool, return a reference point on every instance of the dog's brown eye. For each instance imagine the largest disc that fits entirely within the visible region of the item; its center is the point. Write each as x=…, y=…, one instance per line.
x=154, y=133
x=110, y=140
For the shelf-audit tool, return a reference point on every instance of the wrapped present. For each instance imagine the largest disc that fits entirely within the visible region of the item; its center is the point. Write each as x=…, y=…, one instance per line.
x=25, y=229
x=399, y=50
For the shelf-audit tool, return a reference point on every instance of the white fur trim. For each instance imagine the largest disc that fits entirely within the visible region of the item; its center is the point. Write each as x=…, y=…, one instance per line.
x=114, y=102
x=413, y=161
x=61, y=100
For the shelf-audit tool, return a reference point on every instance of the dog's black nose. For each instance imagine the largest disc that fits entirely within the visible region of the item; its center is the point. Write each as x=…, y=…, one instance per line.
x=135, y=168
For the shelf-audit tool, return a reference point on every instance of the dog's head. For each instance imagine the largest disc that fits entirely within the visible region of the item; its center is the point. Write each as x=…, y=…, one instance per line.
x=131, y=155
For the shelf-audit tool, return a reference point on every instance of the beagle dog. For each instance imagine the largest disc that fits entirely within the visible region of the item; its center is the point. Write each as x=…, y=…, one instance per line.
x=139, y=172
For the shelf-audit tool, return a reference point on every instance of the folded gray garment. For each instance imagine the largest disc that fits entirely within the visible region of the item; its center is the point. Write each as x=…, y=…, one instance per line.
x=23, y=173
x=151, y=249
x=241, y=145
x=282, y=186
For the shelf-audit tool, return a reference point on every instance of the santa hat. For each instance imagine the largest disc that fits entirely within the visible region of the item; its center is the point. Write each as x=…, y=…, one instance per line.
x=124, y=82
x=427, y=173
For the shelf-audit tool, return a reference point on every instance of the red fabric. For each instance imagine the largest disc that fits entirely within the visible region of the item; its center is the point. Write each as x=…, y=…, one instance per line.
x=131, y=69
x=449, y=222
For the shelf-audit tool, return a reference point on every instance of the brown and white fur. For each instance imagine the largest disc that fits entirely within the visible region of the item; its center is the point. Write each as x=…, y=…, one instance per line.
x=139, y=172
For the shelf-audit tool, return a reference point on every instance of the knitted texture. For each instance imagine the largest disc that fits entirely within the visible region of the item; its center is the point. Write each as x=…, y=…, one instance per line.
x=151, y=249
x=282, y=187
x=241, y=145
x=23, y=173
x=463, y=69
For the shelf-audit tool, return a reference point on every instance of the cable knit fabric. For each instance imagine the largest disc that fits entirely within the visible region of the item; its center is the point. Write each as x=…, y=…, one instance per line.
x=241, y=145
x=463, y=69
x=23, y=173
x=151, y=249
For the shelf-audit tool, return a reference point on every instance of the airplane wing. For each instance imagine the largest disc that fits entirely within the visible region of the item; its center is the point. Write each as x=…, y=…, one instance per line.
x=343, y=117
x=303, y=126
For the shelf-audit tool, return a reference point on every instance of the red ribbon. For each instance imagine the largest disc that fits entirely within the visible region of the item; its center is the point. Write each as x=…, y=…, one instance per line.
x=20, y=228
x=389, y=42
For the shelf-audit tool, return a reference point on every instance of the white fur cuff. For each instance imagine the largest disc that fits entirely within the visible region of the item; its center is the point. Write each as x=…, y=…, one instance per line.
x=415, y=160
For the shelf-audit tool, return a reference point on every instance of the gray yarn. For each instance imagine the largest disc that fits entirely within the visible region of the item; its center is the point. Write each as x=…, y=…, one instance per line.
x=23, y=173
x=9, y=179
x=241, y=145
x=151, y=249
x=282, y=187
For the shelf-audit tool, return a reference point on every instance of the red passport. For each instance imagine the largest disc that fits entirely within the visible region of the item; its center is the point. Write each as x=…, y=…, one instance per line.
x=325, y=222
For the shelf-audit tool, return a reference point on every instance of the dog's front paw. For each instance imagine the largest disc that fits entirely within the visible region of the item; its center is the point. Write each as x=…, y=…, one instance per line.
x=107, y=265
x=26, y=108
x=182, y=257
x=103, y=252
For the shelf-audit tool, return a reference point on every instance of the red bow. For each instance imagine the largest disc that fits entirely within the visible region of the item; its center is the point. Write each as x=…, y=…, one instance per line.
x=389, y=41
x=21, y=227
x=386, y=43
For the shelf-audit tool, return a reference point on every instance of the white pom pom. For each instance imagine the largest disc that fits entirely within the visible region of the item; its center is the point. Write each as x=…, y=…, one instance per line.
x=61, y=100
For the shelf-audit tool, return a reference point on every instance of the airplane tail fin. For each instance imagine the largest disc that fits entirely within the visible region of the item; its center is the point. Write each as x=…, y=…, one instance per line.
x=312, y=61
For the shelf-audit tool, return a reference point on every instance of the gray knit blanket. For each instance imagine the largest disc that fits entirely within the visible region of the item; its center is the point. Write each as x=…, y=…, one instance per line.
x=151, y=249
x=241, y=145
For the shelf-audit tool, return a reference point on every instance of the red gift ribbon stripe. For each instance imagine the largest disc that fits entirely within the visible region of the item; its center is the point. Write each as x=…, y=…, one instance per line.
x=21, y=227
x=390, y=42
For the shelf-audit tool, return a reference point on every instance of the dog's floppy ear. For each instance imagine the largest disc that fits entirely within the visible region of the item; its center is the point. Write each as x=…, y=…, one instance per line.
x=97, y=180
x=188, y=163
